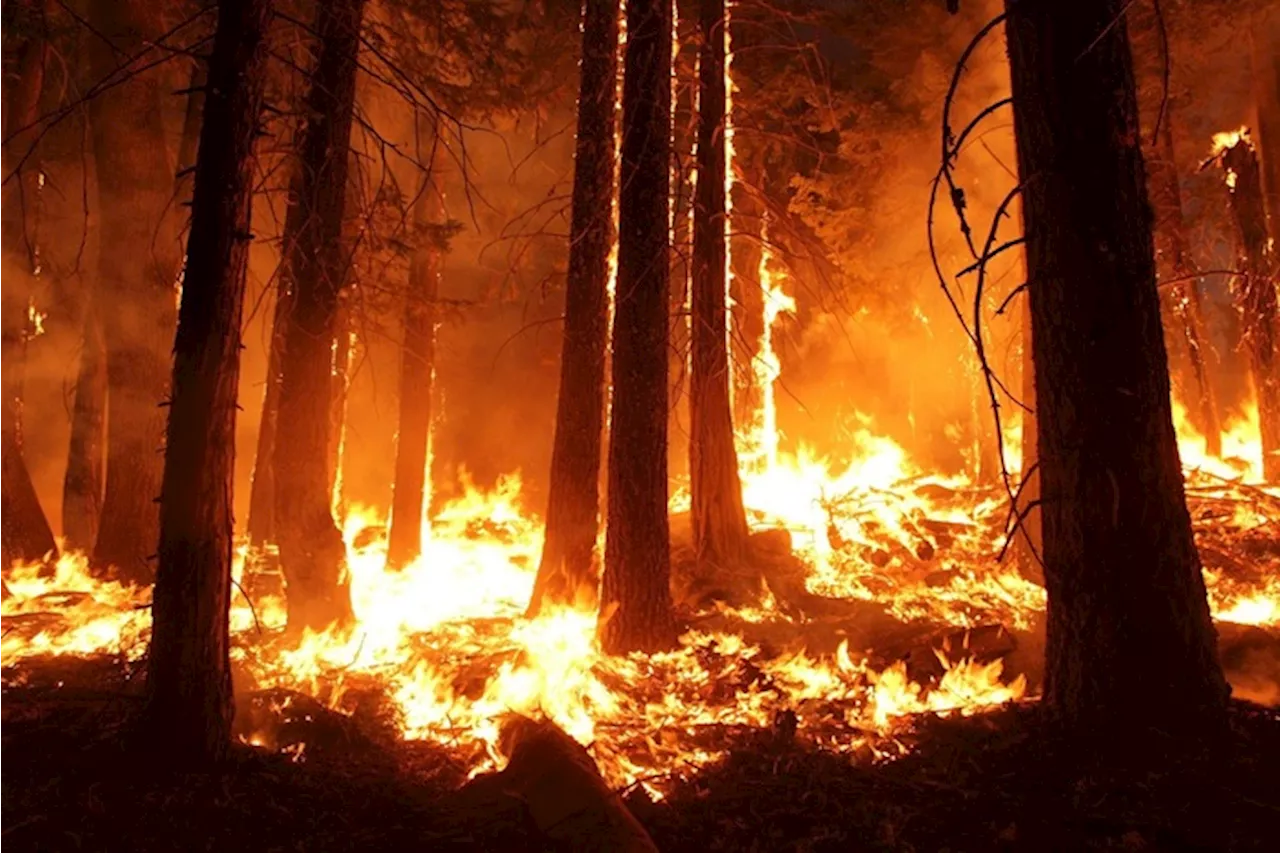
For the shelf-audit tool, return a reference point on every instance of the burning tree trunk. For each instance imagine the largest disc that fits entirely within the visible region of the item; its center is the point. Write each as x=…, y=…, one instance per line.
x=1130, y=643
x=311, y=547
x=1173, y=252
x=24, y=530
x=1256, y=294
x=340, y=372
x=83, y=480
x=573, y=504
x=139, y=262
x=189, y=669
x=417, y=373
x=1180, y=288
x=636, y=610
x=719, y=519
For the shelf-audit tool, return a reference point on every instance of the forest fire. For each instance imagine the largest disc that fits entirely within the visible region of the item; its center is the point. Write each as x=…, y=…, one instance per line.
x=681, y=424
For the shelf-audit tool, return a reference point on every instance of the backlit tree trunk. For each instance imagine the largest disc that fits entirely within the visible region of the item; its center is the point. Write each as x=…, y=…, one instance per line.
x=139, y=261
x=311, y=548
x=1265, y=38
x=573, y=504
x=262, y=510
x=1180, y=290
x=1130, y=644
x=636, y=609
x=262, y=492
x=1256, y=295
x=1030, y=544
x=189, y=667
x=24, y=529
x=719, y=520
x=83, y=481
x=417, y=368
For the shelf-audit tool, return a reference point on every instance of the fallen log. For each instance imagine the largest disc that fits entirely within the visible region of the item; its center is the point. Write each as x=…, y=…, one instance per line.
x=563, y=792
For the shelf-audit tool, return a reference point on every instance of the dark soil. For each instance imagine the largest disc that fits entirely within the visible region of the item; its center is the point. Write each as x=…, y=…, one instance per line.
x=78, y=775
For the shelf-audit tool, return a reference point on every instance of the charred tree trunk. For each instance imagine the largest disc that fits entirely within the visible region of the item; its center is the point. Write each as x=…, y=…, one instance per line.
x=719, y=519
x=636, y=611
x=417, y=374
x=1180, y=289
x=311, y=548
x=24, y=529
x=1173, y=262
x=1130, y=643
x=573, y=504
x=83, y=482
x=1256, y=295
x=139, y=262
x=189, y=667
x=1265, y=38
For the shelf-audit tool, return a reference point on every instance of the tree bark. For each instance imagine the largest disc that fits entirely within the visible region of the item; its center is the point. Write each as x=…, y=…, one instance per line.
x=189, y=667
x=1180, y=289
x=262, y=510
x=747, y=314
x=719, y=519
x=24, y=529
x=312, y=553
x=1256, y=295
x=1030, y=551
x=1130, y=643
x=417, y=373
x=1265, y=40
x=340, y=377
x=1174, y=263
x=573, y=503
x=139, y=262
x=83, y=481
x=636, y=611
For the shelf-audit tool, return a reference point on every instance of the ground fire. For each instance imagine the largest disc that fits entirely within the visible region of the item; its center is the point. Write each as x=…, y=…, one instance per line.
x=647, y=425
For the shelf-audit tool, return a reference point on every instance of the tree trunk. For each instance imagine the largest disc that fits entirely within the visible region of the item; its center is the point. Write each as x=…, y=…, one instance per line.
x=719, y=519
x=189, y=667
x=745, y=292
x=636, y=611
x=139, y=261
x=573, y=503
x=24, y=529
x=312, y=554
x=1256, y=295
x=1130, y=643
x=1173, y=262
x=340, y=373
x=417, y=373
x=82, y=484
x=1180, y=290
x=1265, y=38
x=262, y=510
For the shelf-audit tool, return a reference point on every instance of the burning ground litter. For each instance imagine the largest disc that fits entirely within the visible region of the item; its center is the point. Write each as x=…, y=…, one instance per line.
x=875, y=597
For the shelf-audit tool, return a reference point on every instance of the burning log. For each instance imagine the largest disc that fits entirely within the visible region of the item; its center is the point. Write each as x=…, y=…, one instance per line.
x=563, y=792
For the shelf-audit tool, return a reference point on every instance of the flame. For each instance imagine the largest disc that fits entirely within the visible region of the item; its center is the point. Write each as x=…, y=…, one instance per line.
x=1228, y=139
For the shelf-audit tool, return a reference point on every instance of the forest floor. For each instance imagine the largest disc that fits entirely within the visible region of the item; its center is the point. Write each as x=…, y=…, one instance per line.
x=76, y=776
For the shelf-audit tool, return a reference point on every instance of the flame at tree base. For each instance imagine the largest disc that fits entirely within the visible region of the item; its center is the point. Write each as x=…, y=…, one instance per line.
x=445, y=644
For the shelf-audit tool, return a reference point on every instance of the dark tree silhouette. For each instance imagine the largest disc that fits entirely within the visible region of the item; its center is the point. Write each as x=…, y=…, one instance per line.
x=573, y=504
x=1130, y=643
x=417, y=369
x=719, y=519
x=311, y=549
x=83, y=480
x=189, y=668
x=1256, y=294
x=636, y=611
